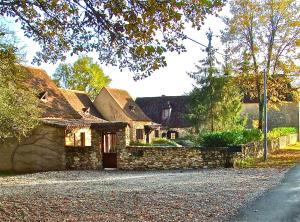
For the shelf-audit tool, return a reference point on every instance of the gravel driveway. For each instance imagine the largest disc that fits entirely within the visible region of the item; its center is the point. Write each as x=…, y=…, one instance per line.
x=192, y=195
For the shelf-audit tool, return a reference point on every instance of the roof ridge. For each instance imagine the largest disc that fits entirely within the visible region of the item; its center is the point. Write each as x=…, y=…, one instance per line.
x=73, y=90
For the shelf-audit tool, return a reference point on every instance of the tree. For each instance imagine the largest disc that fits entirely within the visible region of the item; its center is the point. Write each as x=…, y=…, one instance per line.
x=84, y=75
x=215, y=103
x=131, y=34
x=263, y=38
x=18, y=105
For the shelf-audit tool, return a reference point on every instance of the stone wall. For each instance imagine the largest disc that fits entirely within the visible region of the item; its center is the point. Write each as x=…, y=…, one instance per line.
x=256, y=149
x=85, y=158
x=134, y=157
x=43, y=150
x=287, y=115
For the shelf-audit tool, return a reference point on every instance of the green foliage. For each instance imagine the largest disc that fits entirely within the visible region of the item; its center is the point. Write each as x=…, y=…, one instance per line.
x=185, y=142
x=139, y=143
x=247, y=163
x=262, y=38
x=18, y=104
x=281, y=131
x=227, y=138
x=128, y=34
x=163, y=142
x=215, y=103
x=155, y=142
x=84, y=75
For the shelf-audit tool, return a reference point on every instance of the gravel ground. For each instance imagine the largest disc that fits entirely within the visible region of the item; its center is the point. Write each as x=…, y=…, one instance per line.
x=192, y=195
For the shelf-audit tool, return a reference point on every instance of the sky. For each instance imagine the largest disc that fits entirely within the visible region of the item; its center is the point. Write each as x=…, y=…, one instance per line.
x=172, y=80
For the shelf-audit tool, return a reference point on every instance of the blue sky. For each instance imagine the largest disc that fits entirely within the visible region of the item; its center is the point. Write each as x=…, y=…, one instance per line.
x=171, y=80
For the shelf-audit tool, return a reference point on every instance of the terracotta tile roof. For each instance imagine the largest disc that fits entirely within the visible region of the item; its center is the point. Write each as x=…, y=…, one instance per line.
x=125, y=101
x=54, y=105
x=82, y=103
x=153, y=107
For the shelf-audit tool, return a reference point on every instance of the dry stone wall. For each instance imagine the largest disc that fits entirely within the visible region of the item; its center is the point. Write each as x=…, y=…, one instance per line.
x=137, y=157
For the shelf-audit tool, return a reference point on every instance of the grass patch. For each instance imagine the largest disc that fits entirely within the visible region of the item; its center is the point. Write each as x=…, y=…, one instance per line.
x=6, y=174
x=283, y=158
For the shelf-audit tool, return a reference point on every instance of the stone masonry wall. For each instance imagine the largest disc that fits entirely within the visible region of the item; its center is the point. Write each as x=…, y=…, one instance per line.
x=43, y=150
x=140, y=158
x=85, y=158
x=256, y=149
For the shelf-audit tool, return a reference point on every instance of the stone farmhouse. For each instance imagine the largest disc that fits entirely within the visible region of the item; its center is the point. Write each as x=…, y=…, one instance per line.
x=170, y=111
x=72, y=134
x=118, y=105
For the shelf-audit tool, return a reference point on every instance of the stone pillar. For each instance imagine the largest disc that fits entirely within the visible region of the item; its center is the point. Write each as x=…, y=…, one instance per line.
x=123, y=140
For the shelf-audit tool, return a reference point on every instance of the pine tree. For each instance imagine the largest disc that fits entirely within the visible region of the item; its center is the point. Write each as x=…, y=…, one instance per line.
x=215, y=101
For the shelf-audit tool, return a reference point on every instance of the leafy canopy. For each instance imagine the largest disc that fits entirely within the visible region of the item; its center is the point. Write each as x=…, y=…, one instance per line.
x=264, y=37
x=18, y=105
x=130, y=34
x=83, y=74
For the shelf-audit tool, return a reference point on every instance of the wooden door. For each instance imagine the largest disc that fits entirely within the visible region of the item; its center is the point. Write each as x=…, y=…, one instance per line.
x=109, y=150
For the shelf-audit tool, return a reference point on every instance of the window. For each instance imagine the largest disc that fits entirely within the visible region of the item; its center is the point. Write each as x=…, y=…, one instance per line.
x=110, y=143
x=139, y=134
x=43, y=96
x=78, y=137
x=166, y=114
x=173, y=136
x=156, y=133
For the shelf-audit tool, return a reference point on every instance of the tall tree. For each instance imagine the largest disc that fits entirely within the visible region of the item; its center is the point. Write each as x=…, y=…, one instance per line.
x=18, y=105
x=215, y=103
x=83, y=74
x=263, y=38
x=133, y=34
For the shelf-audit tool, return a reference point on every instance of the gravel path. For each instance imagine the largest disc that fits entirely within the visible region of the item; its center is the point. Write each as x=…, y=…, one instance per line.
x=193, y=195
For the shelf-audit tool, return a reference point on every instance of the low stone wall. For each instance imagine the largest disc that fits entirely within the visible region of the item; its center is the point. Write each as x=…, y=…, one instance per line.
x=85, y=158
x=256, y=149
x=138, y=157
x=145, y=157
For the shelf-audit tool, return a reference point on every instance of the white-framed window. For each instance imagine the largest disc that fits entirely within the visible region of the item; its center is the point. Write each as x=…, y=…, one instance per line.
x=173, y=136
x=166, y=113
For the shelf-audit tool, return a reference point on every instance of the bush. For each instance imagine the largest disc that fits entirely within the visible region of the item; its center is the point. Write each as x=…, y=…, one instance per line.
x=163, y=142
x=251, y=135
x=185, y=142
x=221, y=139
x=281, y=131
x=139, y=143
x=228, y=138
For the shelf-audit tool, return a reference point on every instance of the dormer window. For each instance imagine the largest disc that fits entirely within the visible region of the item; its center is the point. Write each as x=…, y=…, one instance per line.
x=86, y=110
x=43, y=96
x=131, y=108
x=166, y=114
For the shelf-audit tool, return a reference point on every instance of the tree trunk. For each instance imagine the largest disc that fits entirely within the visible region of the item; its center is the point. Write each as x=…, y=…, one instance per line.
x=260, y=112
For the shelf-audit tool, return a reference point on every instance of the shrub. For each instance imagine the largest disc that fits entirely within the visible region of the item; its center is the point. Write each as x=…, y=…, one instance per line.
x=251, y=135
x=227, y=138
x=139, y=143
x=221, y=139
x=185, y=142
x=281, y=131
x=163, y=142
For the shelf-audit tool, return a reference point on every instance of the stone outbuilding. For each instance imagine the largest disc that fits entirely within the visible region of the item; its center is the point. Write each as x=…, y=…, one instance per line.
x=71, y=134
x=118, y=105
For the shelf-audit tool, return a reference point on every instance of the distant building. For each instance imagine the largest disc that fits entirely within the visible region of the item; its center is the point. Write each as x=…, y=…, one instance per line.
x=169, y=111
